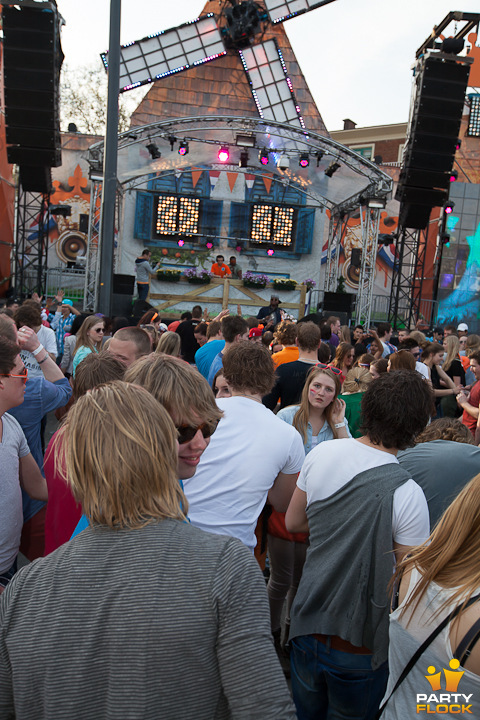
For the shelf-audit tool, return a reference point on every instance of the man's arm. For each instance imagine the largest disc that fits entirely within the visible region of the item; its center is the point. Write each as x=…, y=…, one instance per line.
x=31, y=479
x=281, y=491
x=296, y=516
x=28, y=340
x=463, y=402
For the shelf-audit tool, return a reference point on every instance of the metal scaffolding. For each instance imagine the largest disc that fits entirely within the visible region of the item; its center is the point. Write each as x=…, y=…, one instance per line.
x=31, y=246
x=370, y=220
x=407, y=282
x=91, y=268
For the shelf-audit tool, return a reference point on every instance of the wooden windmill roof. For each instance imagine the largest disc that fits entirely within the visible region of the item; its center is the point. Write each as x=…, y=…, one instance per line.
x=220, y=87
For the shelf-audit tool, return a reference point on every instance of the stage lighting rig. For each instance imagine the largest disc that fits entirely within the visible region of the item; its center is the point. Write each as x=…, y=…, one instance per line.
x=223, y=154
x=155, y=153
x=332, y=168
x=183, y=148
x=304, y=160
x=263, y=157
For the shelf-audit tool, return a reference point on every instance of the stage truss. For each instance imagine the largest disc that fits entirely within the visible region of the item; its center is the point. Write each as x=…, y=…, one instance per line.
x=407, y=283
x=31, y=246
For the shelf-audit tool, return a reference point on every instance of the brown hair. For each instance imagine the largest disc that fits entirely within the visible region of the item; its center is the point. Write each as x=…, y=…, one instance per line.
x=402, y=360
x=94, y=370
x=8, y=354
x=169, y=344
x=430, y=349
x=357, y=380
x=176, y=385
x=285, y=333
x=472, y=344
x=82, y=338
x=121, y=457
x=419, y=337
x=7, y=328
x=365, y=359
x=138, y=337
x=300, y=420
x=446, y=428
x=308, y=336
x=213, y=329
x=248, y=367
x=28, y=314
x=341, y=353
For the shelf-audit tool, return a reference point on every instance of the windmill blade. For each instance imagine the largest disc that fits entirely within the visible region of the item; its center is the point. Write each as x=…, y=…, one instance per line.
x=271, y=87
x=281, y=10
x=168, y=52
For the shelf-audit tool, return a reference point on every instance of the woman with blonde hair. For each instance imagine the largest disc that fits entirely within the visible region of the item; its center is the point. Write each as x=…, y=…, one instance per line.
x=169, y=344
x=189, y=590
x=89, y=339
x=319, y=417
x=436, y=621
x=353, y=389
x=453, y=367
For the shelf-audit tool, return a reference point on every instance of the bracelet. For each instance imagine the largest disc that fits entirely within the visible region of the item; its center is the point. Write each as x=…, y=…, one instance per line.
x=38, y=350
x=43, y=359
x=340, y=424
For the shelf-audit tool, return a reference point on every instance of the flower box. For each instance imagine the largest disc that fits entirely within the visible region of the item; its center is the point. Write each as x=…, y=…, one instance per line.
x=255, y=281
x=199, y=280
x=169, y=275
x=284, y=284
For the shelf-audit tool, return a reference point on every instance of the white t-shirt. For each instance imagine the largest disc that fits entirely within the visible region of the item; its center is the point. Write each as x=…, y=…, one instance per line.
x=247, y=451
x=422, y=369
x=331, y=465
x=47, y=338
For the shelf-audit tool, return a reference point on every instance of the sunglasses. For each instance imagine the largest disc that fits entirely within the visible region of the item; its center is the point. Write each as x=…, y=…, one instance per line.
x=23, y=375
x=188, y=432
x=416, y=355
x=335, y=370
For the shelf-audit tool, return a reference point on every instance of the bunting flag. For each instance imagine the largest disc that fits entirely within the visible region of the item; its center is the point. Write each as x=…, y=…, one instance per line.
x=232, y=179
x=249, y=180
x=214, y=175
x=196, y=175
x=267, y=181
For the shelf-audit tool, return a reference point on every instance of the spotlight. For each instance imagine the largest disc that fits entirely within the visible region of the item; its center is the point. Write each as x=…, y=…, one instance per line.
x=264, y=157
x=453, y=176
x=448, y=209
x=304, y=160
x=320, y=155
x=270, y=252
x=154, y=151
x=332, y=168
x=183, y=148
x=172, y=140
x=238, y=248
x=224, y=154
x=243, y=162
x=284, y=162
x=458, y=145
x=209, y=245
x=181, y=243
x=453, y=45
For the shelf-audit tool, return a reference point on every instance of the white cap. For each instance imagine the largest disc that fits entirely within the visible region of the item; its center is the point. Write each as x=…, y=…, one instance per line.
x=462, y=326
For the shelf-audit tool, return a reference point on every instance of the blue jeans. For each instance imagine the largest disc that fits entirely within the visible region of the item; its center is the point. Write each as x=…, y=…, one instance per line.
x=329, y=684
x=142, y=289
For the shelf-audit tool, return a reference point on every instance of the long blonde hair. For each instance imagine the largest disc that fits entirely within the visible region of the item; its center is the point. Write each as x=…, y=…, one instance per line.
x=300, y=420
x=121, y=457
x=83, y=339
x=453, y=347
x=169, y=343
x=450, y=556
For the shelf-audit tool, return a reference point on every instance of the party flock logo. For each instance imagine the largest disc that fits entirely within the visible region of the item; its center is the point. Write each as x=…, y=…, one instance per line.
x=448, y=702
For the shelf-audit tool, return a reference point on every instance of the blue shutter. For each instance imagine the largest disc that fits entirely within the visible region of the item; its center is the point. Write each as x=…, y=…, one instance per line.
x=143, y=216
x=304, y=233
x=239, y=228
x=211, y=219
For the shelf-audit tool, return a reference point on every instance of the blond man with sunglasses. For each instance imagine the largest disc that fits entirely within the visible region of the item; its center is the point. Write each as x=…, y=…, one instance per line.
x=18, y=468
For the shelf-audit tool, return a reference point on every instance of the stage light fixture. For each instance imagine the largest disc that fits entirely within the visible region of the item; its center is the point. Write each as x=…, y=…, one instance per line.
x=332, y=168
x=172, y=140
x=263, y=157
x=155, y=153
x=209, y=245
x=304, y=160
x=320, y=155
x=243, y=162
x=453, y=176
x=448, y=208
x=270, y=251
x=245, y=140
x=223, y=154
x=183, y=148
x=458, y=145
x=284, y=162
x=180, y=243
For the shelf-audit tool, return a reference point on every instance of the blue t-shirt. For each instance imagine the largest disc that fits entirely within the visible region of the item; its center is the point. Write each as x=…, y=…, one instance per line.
x=205, y=355
x=215, y=367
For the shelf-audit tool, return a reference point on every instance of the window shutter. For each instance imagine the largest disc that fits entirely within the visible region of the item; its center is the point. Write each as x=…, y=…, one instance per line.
x=210, y=220
x=143, y=216
x=239, y=228
x=304, y=234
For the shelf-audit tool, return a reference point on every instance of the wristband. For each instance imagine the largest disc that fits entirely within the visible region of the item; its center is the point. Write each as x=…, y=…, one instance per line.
x=38, y=350
x=340, y=424
x=43, y=359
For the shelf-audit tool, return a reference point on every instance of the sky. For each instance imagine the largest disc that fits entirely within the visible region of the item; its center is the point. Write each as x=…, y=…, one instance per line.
x=356, y=55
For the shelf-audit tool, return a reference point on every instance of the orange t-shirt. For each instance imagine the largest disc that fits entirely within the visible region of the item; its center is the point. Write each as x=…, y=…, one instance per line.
x=220, y=270
x=288, y=354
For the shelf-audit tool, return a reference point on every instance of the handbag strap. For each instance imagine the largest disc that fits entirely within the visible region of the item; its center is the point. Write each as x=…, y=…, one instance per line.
x=419, y=652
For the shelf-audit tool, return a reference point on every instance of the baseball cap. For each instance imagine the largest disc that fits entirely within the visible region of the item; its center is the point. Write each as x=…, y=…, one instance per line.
x=255, y=332
x=163, y=327
x=66, y=301
x=462, y=326
x=274, y=296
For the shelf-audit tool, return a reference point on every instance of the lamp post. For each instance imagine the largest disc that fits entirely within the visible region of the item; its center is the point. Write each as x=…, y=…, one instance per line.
x=107, y=217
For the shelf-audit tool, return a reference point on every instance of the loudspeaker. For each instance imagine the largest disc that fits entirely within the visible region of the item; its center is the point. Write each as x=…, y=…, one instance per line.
x=441, y=83
x=36, y=179
x=32, y=58
x=121, y=305
x=140, y=307
x=335, y=303
x=123, y=284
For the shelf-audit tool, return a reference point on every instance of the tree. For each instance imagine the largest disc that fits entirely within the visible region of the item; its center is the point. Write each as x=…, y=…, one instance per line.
x=83, y=100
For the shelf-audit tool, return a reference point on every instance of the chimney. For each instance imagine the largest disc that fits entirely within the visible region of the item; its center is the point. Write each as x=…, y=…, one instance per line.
x=349, y=124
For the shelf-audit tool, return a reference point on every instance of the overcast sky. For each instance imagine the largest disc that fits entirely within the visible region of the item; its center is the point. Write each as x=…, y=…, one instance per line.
x=356, y=55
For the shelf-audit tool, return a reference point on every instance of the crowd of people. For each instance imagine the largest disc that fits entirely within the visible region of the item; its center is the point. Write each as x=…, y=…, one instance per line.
x=229, y=503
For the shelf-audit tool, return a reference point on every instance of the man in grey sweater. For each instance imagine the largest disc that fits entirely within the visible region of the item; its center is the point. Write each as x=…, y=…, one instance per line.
x=144, y=270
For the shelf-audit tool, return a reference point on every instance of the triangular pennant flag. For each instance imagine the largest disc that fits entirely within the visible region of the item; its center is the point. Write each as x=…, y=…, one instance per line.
x=249, y=180
x=214, y=175
x=232, y=179
x=196, y=174
x=267, y=181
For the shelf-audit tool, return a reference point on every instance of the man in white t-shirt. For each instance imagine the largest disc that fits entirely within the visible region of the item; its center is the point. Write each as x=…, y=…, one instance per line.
x=361, y=507
x=252, y=455
x=30, y=314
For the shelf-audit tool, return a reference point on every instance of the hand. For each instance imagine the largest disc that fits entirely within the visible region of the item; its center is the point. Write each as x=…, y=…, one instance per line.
x=59, y=296
x=36, y=297
x=48, y=303
x=338, y=413
x=222, y=314
x=462, y=398
x=28, y=339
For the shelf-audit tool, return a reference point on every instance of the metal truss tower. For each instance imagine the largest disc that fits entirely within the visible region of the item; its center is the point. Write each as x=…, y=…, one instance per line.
x=91, y=268
x=407, y=283
x=31, y=246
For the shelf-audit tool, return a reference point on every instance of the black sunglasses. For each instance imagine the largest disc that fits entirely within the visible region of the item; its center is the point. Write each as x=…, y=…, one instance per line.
x=188, y=432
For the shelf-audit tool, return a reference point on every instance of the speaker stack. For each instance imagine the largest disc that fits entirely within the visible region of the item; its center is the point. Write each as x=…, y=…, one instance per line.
x=32, y=58
x=441, y=83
